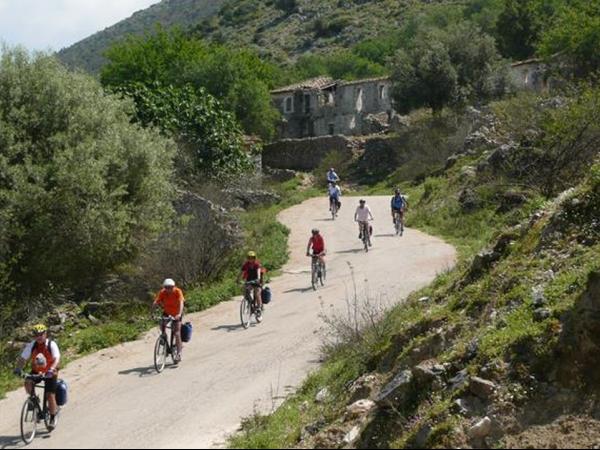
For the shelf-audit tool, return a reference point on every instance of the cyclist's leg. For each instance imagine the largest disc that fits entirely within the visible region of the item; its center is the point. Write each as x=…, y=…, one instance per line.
x=28, y=385
x=177, y=331
x=258, y=296
x=50, y=386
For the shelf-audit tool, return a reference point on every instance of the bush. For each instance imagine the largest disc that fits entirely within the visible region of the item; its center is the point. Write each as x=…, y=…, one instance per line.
x=81, y=188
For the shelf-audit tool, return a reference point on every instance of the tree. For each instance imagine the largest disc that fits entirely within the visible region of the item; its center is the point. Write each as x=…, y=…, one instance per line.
x=81, y=188
x=575, y=36
x=173, y=58
x=447, y=68
x=209, y=139
x=517, y=29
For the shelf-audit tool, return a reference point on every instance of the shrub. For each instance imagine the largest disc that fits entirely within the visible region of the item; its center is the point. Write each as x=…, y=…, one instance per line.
x=81, y=188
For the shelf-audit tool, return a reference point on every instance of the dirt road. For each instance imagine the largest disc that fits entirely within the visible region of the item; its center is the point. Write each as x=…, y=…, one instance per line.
x=117, y=400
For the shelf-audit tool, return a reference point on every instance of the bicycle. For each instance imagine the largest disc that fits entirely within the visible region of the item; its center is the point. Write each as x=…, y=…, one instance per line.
x=165, y=346
x=365, y=232
x=34, y=412
x=318, y=271
x=334, y=208
x=248, y=307
x=398, y=223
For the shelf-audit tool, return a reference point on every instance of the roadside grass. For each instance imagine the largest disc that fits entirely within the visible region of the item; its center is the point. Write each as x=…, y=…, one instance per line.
x=262, y=233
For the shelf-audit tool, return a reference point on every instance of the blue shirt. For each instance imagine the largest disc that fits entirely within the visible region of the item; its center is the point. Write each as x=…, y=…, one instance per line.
x=398, y=202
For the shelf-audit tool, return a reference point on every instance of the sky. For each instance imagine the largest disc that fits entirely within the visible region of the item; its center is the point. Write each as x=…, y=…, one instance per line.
x=54, y=24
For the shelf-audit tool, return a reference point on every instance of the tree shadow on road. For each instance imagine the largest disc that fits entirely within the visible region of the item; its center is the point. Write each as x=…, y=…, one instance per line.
x=228, y=328
x=354, y=250
x=301, y=290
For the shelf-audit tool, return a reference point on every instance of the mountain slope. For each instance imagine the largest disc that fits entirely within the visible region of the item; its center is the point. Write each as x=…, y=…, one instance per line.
x=87, y=54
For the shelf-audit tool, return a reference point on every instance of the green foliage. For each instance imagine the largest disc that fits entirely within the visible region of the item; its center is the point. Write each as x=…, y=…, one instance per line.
x=575, y=35
x=342, y=65
x=237, y=77
x=197, y=122
x=81, y=188
x=450, y=67
x=518, y=29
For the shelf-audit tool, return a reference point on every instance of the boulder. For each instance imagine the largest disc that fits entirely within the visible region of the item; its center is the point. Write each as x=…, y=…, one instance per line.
x=363, y=387
x=481, y=429
x=427, y=372
x=352, y=435
x=484, y=389
x=249, y=198
x=322, y=395
x=459, y=380
x=359, y=409
x=279, y=175
x=422, y=436
x=541, y=314
x=396, y=391
x=469, y=200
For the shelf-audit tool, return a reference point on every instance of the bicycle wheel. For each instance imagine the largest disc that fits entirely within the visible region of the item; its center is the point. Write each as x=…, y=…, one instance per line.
x=322, y=274
x=397, y=225
x=160, y=354
x=246, y=312
x=29, y=418
x=333, y=211
x=314, y=276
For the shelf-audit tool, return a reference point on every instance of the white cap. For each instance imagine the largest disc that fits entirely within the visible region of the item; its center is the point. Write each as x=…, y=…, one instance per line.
x=169, y=283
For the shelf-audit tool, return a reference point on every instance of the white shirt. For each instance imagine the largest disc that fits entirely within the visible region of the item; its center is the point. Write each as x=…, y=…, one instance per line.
x=332, y=176
x=335, y=191
x=26, y=355
x=363, y=214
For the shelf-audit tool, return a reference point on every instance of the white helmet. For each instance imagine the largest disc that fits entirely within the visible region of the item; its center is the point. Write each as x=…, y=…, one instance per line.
x=169, y=283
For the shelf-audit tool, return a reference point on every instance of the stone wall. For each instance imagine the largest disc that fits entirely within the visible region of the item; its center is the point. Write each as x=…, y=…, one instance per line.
x=305, y=154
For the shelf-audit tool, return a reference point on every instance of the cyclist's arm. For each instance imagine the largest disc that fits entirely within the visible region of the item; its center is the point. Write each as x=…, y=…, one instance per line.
x=56, y=355
x=310, y=241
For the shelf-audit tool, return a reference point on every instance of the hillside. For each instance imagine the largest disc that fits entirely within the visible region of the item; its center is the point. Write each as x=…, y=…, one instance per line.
x=87, y=54
x=281, y=30
x=500, y=352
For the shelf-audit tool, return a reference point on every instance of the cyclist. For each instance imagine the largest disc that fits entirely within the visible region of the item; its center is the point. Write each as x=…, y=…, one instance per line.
x=332, y=177
x=318, y=246
x=334, y=195
x=44, y=355
x=252, y=271
x=171, y=300
x=399, y=205
x=362, y=215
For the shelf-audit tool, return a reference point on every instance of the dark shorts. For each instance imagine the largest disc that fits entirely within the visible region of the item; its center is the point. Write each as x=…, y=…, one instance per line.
x=50, y=384
x=399, y=211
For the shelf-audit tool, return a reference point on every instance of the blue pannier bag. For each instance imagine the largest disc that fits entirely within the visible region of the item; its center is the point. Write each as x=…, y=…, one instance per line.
x=61, y=393
x=267, y=295
x=186, y=332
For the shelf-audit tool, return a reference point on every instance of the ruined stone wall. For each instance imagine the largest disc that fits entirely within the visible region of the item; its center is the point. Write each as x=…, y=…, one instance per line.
x=304, y=154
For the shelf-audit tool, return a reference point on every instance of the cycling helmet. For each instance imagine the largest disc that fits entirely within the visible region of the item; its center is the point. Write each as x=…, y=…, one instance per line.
x=315, y=231
x=39, y=329
x=169, y=283
x=398, y=192
x=251, y=254
x=362, y=201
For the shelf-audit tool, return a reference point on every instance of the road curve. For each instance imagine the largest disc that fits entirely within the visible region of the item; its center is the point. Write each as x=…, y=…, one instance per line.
x=118, y=401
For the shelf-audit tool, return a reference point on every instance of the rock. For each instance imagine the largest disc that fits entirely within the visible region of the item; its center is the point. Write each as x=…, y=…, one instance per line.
x=399, y=123
x=322, y=395
x=422, y=436
x=58, y=318
x=364, y=387
x=396, y=391
x=279, y=175
x=481, y=429
x=459, y=380
x=424, y=300
x=469, y=406
x=352, y=435
x=482, y=262
x=93, y=320
x=248, y=198
x=468, y=173
x=469, y=200
x=541, y=314
x=451, y=161
x=538, y=296
x=359, y=408
x=427, y=372
x=107, y=308
x=55, y=329
x=511, y=200
x=483, y=389
x=499, y=157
